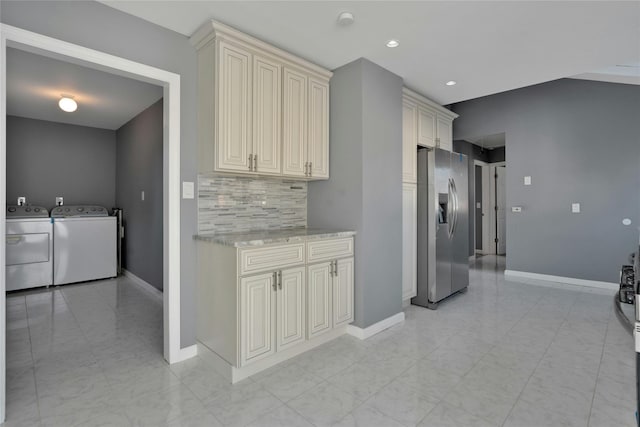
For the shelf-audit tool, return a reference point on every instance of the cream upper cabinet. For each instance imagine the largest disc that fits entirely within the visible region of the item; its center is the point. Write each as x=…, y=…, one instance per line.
x=261, y=110
x=266, y=115
x=445, y=133
x=426, y=127
x=432, y=128
x=409, y=128
x=295, y=124
x=318, y=143
x=234, y=104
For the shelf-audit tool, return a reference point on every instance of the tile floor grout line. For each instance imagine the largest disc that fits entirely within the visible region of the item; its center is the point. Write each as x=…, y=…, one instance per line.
x=539, y=361
x=595, y=388
x=33, y=365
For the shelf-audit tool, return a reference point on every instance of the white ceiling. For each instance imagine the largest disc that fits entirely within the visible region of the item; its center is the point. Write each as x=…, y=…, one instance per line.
x=489, y=141
x=487, y=47
x=107, y=101
x=628, y=73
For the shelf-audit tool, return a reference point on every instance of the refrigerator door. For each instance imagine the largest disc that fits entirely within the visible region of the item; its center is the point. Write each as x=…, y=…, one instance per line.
x=444, y=226
x=460, y=235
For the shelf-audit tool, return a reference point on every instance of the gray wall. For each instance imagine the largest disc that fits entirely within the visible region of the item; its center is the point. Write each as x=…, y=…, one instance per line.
x=580, y=142
x=97, y=26
x=139, y=168
x=364, y=192
x=47, y=159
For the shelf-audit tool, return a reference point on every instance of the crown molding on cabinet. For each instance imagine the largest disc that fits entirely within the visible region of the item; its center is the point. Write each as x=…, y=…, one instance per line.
x=424, y=100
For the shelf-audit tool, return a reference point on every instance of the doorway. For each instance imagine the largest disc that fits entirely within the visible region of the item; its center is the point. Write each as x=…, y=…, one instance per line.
x=481, y=208
x=50, y=47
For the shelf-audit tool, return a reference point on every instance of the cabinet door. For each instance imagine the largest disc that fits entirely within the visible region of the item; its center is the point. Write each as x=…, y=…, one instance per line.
x=291, y=308
x=257, y=305
x=318, y=145
x=266, y=114
x=319, y=300
x=409, y=141
x=445, y=133
x=234, y=108
x=409, y=240
x=426, y=127
x=343, y=293
x=294, y=123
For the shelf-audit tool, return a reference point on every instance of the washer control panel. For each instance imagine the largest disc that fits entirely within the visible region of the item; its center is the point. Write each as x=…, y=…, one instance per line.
x=79, y=211
x=26, y=211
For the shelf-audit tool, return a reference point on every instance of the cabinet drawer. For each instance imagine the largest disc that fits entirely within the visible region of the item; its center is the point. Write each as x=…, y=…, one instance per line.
x=270, y=258
x=323, y=250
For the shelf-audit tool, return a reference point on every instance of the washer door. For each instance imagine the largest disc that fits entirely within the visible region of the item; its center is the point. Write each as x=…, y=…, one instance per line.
x=27, y=248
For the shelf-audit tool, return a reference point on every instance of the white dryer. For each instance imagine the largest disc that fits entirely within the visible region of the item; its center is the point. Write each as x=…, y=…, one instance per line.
x=85, y=239
x=29, y=247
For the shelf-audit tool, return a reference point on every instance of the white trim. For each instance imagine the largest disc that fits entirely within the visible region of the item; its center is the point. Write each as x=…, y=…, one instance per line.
x=233, y=374
x=69, y=52
x=186, y=353
x=423, y=99
x=370, y=331
x=485, y=208
x=157, y=293
x=516, y=275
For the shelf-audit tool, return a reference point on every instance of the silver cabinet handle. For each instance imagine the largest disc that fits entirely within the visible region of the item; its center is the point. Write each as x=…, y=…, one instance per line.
x=310, y=168
x=275, y=281
x=280, y=279
x=306, y=168
x=255, y=163
x=331, y=269
x=250, y=162
x=335, y=268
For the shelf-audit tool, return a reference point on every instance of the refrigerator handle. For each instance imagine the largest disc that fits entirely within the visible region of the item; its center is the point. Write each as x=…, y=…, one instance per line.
x=449, y=208
x=455, y=206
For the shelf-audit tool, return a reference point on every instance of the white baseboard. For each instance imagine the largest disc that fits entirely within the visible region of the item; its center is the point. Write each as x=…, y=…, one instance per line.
x=370, y=331
x=186, y=353
x=520, y=275
x=146, y=285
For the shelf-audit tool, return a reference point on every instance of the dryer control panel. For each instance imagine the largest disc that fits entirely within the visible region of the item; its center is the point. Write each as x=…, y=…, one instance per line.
x=79, y=211
x=25, y=211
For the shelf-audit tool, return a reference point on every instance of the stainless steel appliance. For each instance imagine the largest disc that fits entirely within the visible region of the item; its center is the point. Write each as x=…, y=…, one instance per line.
x=85, y=244
x=443, y=211
x=29, y=247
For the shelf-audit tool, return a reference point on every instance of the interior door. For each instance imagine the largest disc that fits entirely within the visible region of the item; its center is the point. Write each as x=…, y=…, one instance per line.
x=501, y=212
x=291, y=308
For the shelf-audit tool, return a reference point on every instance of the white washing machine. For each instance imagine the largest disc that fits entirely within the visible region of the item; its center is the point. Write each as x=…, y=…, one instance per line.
x=29, y=247
x=84, y=248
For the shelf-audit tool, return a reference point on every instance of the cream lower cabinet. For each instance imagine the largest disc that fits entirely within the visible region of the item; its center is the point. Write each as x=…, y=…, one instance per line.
x=272, y=312
x=330, y=295
x=258, y=305
x=409, y=240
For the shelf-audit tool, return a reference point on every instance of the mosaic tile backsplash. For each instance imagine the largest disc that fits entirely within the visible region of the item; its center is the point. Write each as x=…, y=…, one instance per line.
x=228, y=204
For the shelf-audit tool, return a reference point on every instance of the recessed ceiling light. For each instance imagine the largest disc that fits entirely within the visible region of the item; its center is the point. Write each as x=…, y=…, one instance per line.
x=393, y=43
x=67, y=104
x=346, y=18
x=451, y=83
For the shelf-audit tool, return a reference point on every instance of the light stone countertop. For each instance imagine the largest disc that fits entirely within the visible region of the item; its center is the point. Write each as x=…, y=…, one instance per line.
x=268, y=237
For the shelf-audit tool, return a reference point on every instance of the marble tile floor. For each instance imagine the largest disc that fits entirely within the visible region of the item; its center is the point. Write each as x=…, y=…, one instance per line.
x=503, y=354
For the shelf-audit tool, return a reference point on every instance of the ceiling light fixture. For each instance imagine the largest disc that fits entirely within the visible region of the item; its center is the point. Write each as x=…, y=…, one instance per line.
x=451, y=83
x=67, y=104
x=346, y=18
x=393, y=43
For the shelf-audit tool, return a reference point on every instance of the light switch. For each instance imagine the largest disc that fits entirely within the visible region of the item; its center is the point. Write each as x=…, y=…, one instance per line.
x=142, y=195
x=575, y=207
x=527, y=180
x=516, y=209
x=479, y=205
x=188, y=190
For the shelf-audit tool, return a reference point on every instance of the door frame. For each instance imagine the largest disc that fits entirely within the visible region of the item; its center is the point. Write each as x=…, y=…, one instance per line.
x=40, y=44
x=492, y=212
x=485, y=209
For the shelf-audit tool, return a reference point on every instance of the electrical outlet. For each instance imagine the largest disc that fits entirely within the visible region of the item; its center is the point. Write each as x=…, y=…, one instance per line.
x=59, y=201
x=527, y=180
x=188, y=190
x=516, y=209
x=22, y=201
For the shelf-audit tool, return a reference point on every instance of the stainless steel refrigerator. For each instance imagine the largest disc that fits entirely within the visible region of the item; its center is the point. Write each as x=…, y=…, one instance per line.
x=443, y=211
